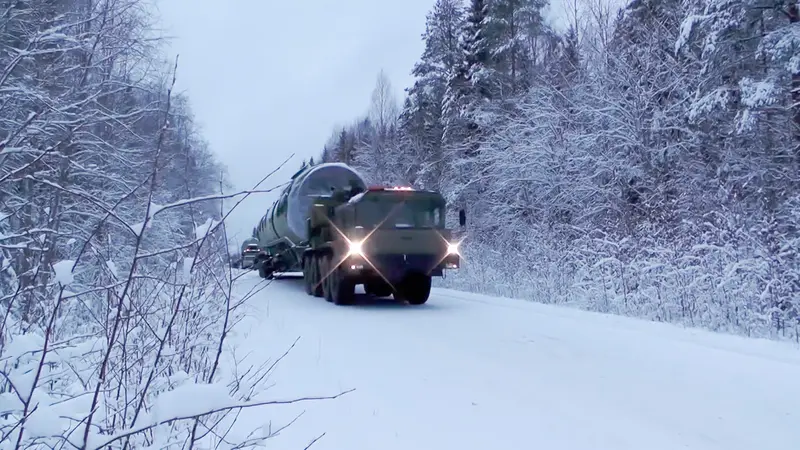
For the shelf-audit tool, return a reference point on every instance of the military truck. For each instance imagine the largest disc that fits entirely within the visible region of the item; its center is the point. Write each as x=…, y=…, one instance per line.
x=340, y=233
x=248, y=252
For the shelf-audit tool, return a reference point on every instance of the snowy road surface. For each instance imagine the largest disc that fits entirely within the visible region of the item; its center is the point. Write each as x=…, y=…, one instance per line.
x=473, y=372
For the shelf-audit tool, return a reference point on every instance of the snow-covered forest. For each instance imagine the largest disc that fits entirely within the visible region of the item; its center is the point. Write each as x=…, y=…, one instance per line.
x=115, y=284
x=645, y=163
x=641, y=161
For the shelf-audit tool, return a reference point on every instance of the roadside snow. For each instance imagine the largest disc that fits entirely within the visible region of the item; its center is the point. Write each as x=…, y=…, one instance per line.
x=474, y=372
x=63, y=270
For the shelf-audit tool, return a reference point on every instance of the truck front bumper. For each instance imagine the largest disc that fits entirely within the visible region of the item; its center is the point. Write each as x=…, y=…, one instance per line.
x=247, y=261
x=395, y=267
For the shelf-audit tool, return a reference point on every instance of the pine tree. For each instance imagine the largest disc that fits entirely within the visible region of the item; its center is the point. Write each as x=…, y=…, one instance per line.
x=512, y=26
x=468, y=83
x=477, y=51
x=422, y=128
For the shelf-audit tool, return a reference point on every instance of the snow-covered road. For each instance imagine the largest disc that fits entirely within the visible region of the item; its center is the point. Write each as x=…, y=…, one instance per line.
x=473, y=372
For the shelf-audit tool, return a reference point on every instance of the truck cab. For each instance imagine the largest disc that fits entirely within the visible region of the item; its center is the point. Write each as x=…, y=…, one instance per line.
x=249, y=255
x=248, y=252
x=391, y=240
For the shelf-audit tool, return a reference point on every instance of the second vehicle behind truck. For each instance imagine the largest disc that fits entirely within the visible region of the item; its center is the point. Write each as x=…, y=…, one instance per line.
x=340, y=234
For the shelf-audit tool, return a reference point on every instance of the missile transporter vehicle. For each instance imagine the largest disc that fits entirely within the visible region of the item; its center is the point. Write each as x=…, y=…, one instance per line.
x=328, y=224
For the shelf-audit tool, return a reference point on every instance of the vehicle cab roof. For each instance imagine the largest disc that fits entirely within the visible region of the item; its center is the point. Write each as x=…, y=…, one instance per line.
x=395, y=193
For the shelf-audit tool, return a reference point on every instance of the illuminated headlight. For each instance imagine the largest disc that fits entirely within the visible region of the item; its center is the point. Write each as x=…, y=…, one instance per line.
x=452, y=249
x=355, y=248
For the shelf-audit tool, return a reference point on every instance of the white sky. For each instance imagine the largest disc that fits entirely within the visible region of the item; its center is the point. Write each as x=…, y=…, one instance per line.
x=269, y=78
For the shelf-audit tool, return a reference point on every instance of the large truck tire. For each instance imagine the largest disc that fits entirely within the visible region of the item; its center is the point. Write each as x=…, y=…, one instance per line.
x=265, y=269
x=343, y=290
x=415, y=289
x=315, y=268
x=308, y=275
x=325, y=279
x=339, y=289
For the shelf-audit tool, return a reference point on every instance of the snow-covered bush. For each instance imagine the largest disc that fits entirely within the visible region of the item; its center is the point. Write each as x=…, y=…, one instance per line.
x=149, y=371
x=116, y=291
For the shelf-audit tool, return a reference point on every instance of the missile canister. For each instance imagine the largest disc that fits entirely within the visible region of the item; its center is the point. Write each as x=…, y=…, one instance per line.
x=285, y=222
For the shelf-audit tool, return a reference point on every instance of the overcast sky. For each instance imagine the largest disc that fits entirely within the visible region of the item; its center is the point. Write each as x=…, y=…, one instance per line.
x=269, y=78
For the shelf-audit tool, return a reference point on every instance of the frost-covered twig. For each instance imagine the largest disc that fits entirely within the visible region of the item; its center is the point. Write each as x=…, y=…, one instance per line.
x=314, y=441
x=235, y=405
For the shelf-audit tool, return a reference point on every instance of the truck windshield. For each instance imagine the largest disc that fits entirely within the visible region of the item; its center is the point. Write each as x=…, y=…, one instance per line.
x=388, y=212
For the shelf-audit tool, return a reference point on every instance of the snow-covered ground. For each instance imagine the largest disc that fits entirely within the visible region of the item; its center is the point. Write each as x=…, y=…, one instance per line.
x=473, y=372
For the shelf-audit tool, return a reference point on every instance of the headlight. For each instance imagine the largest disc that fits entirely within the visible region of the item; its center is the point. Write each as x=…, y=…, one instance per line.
x=452, y=249
x=355, y=248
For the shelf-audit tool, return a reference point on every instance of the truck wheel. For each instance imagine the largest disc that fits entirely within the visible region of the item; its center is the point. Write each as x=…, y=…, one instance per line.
x=343, y=290
x=338, y=289
x=308, y=276
x=316, y=278
x=415, y=289
x=324, y=264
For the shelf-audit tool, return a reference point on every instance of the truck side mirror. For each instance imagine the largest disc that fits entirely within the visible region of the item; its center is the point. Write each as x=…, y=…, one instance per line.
x=462, y=217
